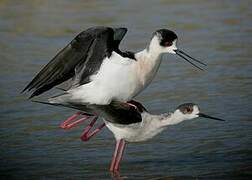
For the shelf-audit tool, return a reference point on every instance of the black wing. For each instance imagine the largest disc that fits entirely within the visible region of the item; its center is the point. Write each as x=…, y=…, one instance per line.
x=119, y=113
x=81, y=58
x=115, y=112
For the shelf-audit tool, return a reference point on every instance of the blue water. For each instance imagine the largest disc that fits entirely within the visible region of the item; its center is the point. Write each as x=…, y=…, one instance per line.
x=218, y=32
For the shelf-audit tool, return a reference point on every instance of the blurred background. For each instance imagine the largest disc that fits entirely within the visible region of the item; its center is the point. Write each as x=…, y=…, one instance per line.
x=217, y=32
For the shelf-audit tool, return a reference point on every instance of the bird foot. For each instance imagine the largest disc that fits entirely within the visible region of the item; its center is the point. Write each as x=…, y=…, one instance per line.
x=116, y=175
x=68, y=124
x=86, y=135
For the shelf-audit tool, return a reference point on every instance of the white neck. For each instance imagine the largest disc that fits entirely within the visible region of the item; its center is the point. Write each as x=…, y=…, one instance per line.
x=148, y=55
x=147, y=65
x=172, y=119
x=152, y=52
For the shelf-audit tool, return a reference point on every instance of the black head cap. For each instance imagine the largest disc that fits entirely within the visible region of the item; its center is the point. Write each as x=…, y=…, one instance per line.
x=166, y=37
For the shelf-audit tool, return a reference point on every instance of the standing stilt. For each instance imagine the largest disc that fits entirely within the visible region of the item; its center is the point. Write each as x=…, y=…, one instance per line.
x=117, y=156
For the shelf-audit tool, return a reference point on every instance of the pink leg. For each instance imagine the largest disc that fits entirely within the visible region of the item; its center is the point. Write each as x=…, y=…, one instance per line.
x=112, y=165
x=86, y=135
x=115, y=164
x=67, y=125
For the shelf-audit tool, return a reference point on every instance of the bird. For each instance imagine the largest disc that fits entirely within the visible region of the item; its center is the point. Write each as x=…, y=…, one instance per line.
x=100, y=72
x=131, y=122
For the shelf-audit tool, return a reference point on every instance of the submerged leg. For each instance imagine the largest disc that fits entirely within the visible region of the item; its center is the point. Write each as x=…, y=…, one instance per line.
x=117, y=156
x=86, y=135
x=67, y=125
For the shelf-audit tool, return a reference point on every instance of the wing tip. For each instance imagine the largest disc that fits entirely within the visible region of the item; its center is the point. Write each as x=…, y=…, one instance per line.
x=35, y=93
x=25, y=89
x=119, y=33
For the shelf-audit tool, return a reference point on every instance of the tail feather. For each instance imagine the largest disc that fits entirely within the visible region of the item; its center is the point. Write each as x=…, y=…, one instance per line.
x=83, y=108
x=65, y=100
x=60, y=98
x=47, y=103
x=62, y=89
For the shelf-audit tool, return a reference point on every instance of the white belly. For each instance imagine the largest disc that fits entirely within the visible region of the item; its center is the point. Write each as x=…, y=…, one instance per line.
x=137, y=132
x=118, y=79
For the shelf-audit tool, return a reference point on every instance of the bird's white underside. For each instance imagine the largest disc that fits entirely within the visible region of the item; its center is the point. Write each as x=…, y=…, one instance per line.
x=150, y=126
x=119, y=78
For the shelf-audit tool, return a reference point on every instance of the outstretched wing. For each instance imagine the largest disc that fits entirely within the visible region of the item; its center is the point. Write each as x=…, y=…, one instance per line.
x=81, y=58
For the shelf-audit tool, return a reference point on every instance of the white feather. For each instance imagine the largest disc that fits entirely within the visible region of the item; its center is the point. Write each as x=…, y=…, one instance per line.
x=150, y=126
x=119, y=78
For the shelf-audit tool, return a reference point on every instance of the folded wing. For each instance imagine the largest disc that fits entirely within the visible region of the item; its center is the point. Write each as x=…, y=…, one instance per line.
x=120, y=113
x=115, y=112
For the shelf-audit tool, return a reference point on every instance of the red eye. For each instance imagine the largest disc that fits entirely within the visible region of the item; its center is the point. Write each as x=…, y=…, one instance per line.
x=168, y=44
x=187, y=110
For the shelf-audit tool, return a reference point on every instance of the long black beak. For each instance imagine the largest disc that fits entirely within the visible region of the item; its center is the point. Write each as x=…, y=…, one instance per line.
x=188, y=58
x=210, y=117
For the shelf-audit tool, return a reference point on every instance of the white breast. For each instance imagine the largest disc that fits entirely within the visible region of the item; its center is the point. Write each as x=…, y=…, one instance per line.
x=148, y=128
x=118, y=78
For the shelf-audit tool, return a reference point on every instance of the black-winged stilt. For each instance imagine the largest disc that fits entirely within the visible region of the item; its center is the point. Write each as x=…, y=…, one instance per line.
x=101, y=72
x=130, y=122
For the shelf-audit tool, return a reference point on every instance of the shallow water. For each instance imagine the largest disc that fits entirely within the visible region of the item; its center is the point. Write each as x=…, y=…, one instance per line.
x=219, y=33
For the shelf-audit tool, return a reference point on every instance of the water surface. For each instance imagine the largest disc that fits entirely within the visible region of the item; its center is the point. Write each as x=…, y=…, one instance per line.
x=218, y=32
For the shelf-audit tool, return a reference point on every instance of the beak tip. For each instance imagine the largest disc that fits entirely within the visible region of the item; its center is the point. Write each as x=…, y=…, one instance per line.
x=210, y=117
x=183, y=55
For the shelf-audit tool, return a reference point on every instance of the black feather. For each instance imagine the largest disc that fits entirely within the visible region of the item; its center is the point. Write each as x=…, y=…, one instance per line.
x=79, y=59
x=115, y=112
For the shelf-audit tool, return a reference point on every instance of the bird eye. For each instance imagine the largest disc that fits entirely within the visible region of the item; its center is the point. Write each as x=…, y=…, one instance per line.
x=167, y=44
x=188, y=110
